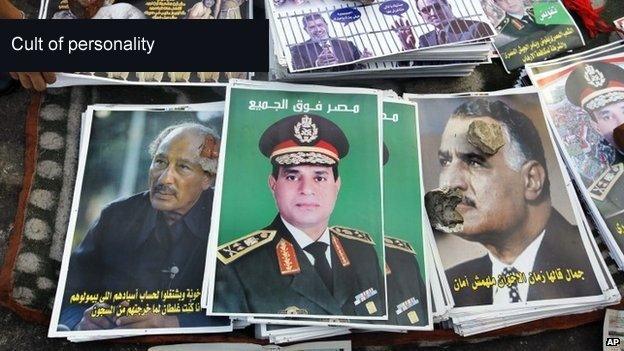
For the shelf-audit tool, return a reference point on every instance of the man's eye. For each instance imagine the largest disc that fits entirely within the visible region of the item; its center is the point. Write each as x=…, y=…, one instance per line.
x=320, y=179
x=444, y=161
x=605, y=117
x=185, y=167
x=159, y=162
x=475, y=163
x=290, y=177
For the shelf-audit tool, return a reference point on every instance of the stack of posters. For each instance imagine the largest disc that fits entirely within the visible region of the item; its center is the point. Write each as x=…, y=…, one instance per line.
x=312, y=211
x=314, y=39
x=155, y=9
x=319, y=147
x=583, y=97
x=125, y=270
x=531, y=31
x=510, y=232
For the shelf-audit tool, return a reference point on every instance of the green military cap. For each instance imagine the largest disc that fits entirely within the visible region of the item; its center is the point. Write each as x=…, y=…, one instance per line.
x=594, y=85
x=304, y=139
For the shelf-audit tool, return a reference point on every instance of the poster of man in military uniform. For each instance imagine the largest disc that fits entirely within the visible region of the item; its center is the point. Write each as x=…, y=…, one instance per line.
x=406, y=273
x=299, y=229
x=518, y=21
x=405, y=268
x=531, y=31
x=585, y=101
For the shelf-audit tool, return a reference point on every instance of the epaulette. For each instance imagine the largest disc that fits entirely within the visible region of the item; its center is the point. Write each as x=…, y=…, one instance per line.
x=233, y=250
x=351, y=233
x=398, y=244
x=502, y=24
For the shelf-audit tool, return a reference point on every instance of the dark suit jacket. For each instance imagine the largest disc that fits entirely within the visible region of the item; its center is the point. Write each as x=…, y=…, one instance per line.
x=124, y=250
x=561, y=247
x=457, y=30
x=253, y=282
x=304, y=55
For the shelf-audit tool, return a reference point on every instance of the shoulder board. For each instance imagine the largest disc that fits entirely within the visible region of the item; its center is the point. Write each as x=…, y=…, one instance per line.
x=351, y=233
x=398, y=244
x=502, y=24
x=233, y=250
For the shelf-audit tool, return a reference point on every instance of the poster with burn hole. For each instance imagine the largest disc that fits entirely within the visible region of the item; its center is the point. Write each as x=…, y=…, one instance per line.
x=505, y=225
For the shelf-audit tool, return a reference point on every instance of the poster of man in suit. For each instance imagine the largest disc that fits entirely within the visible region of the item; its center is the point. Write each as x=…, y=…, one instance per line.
x=517, y=239
x=320, y=49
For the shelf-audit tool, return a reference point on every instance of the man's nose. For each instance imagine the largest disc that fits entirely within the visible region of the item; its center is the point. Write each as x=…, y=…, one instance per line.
x=454, y=176
x=167, y=176
x=306, y=186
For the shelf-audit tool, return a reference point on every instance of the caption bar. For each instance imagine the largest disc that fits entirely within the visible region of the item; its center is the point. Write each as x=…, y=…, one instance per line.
x=111, y=45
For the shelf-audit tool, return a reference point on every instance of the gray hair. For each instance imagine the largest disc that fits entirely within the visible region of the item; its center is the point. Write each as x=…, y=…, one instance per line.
x=207, y=164
x=514, y=157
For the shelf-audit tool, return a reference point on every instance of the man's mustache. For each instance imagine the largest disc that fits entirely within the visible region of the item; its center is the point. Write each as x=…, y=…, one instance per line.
x=468, y=201
x=164, y=189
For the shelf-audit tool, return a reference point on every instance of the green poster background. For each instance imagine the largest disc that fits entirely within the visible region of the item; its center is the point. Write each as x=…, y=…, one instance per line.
x=402, y=195
x=246, y=202
x=551, y=13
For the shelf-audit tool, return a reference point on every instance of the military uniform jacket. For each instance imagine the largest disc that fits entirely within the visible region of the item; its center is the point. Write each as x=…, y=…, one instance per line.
x=249, y=278
x=407, y=293
x=511, y=28
x=607, y=193
x=561, y=247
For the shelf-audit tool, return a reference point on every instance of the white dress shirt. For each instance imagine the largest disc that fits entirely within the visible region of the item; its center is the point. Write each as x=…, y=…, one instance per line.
x=519, y=17
x=524, y=264
x=304, y=240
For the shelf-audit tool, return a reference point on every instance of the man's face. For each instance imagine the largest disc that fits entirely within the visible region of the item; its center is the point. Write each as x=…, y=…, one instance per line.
x=305, y=195
x=316, y=28
x=435, y=12
x=515, y=7
x=494, y=201
x=176, y=179
x=608, y=118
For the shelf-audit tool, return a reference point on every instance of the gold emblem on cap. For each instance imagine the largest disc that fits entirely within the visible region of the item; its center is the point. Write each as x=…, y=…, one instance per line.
x=305, y=130
x=593, y=76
